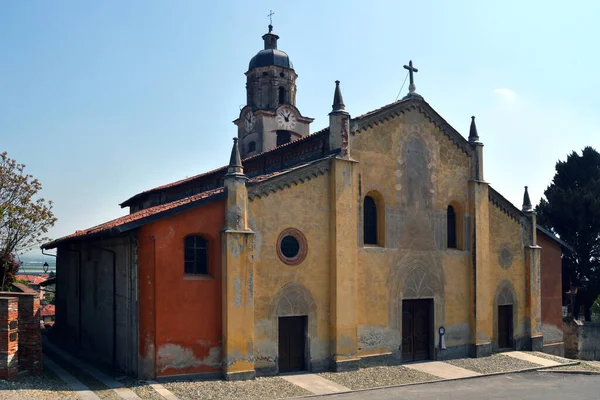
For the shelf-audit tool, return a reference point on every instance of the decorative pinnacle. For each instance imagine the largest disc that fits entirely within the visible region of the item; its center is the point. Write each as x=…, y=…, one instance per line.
x=235, y=162
x=526, y=202
x=473, y=136
x=338, y=100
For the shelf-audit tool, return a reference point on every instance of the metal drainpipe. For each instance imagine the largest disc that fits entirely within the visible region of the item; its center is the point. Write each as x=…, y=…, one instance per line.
x=114, y=305
x=78, y=298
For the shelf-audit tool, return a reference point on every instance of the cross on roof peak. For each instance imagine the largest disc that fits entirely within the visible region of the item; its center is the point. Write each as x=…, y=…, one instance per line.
x=411, y=71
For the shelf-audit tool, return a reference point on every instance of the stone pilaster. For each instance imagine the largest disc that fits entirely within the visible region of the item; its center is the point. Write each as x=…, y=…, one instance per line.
x=482, y=321
x=339, y=124
x=238, y=276
x=533, y=306
x=343, y=264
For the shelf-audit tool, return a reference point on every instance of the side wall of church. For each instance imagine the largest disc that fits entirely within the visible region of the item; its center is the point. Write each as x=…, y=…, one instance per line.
x=415, y=172
x=508, y=280
x=96, y=301
x=551, y=292
x=288, y=290
x=180, y=327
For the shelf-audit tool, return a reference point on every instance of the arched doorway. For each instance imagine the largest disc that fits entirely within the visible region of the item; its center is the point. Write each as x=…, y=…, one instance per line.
x=420, y=305
x=293, y=315
x=505, y=315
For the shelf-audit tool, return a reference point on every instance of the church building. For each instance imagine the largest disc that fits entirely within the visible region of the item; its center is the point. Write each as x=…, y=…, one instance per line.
x=373, y=241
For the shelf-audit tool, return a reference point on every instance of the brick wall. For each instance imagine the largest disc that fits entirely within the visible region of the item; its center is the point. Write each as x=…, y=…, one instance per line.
x=21, y=342
x=9, y=343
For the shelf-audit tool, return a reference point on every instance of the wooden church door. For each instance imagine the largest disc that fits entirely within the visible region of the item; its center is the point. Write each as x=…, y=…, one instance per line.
x=416, y=329
x=505, y=326
x=292, y=343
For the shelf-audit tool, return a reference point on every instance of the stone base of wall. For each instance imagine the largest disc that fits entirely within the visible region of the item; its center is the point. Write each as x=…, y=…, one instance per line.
x=346, y=365
x=555, y=349
x=449, y=353
x=481, y=350
x=239, y=376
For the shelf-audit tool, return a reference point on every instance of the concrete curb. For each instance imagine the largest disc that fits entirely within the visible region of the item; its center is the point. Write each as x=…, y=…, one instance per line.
x=574, y=371
x=442, y=380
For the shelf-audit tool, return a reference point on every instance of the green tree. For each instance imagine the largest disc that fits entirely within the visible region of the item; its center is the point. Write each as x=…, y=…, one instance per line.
x=24, y=216
x=571, y=209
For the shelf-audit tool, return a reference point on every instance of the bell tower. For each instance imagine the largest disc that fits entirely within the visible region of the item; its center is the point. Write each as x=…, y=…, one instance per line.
x=270, y=117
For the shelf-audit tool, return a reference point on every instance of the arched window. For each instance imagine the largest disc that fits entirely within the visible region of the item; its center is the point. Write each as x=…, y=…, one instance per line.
x=281, y=95
x=370, y=221
x=251, y=147
x=195, y=255
x=451, y=222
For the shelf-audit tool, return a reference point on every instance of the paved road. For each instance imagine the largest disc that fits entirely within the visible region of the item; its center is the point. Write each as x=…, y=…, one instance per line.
x=525, y=386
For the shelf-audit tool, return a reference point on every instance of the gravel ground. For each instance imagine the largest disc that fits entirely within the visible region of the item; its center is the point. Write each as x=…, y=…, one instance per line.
x=260, y=388
x=43, y=387
x=141, y=388
x=582, y=366
x=561, y=360
x=377, y=376
x=494, y=363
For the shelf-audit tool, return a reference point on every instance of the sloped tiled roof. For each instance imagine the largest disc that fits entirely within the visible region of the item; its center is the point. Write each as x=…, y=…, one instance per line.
x=224, y=168
x=134, y=220
x=47, y=310
x=135, y=217
x=32, y=279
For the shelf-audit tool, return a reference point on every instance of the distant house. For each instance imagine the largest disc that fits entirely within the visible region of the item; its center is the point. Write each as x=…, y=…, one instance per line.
x=47, y=313
x=33, y=281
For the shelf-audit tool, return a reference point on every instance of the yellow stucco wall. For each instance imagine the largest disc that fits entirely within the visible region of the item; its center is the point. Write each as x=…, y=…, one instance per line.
x=306, y=208
x=381, y=152
x=415, y=202
x=506, y=234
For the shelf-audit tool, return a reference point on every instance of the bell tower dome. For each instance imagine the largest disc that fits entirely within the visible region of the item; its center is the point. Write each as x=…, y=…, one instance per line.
x=270, y=117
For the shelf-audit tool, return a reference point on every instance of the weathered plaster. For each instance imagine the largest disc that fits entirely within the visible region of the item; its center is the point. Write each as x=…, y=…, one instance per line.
x=176, y=357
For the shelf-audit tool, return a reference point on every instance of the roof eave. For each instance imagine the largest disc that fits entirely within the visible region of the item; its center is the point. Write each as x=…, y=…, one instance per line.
x=129, y=226
x=554, y=237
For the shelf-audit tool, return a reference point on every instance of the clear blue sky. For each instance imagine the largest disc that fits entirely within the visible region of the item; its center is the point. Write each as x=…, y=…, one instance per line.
x=102, y=100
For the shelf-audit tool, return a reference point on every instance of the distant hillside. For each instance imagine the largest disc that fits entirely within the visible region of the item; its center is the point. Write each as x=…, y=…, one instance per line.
x=34, y=259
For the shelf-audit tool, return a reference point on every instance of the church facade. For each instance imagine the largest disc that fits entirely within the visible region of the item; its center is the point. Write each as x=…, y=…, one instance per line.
x=373, y=241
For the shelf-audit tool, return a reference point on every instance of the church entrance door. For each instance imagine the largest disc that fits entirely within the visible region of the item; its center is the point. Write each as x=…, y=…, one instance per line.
x=417, y=328
x=505, y=326
x=292, y=343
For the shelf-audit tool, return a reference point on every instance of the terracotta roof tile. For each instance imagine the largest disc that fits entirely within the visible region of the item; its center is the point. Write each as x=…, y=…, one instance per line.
x=135, y=216
x=47, y=310
x=224, y=168
x=33, y=279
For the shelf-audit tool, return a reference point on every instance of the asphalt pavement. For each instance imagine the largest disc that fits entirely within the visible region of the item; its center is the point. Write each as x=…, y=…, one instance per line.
x=523, y=386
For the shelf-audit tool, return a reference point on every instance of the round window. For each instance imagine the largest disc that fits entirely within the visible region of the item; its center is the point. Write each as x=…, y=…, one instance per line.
x=291, y=246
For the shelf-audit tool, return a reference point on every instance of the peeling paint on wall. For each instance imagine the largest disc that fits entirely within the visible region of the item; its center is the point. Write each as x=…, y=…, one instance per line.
x=237, y=292
x=178, y=357
x=251, y=288
x=377, y=337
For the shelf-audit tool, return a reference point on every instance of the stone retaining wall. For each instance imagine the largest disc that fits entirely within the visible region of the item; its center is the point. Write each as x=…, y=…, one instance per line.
x=582, y=339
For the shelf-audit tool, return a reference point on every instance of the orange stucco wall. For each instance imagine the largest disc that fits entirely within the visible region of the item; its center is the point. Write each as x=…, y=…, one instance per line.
x=180, y=315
